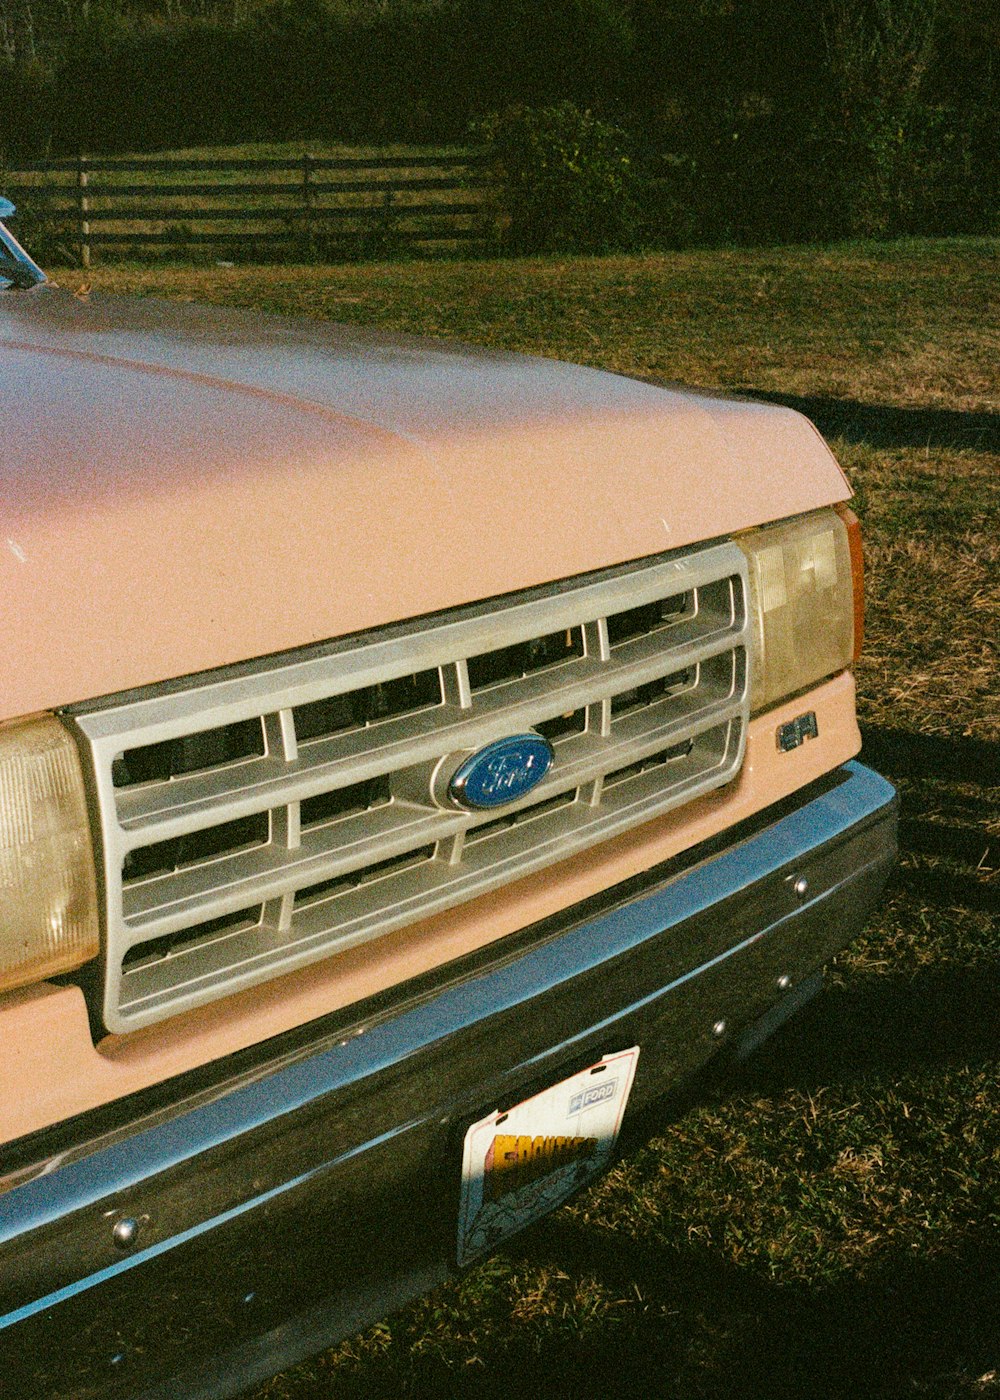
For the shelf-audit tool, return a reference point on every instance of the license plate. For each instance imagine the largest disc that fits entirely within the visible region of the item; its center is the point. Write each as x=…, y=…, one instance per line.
x=519, y=1164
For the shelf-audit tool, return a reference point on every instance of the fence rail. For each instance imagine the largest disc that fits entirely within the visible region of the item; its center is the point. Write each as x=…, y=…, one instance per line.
x=302, y=202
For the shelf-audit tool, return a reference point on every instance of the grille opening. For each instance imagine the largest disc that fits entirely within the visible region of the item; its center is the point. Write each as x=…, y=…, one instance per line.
x=164, y=857
x=515, y=662
x=561, y=725
x=325, y=887
x=640, y=621
x=643, y=695
x=371, y=704
x=359, y=797
x=479, y=833
x=720, y=603
x=394, y=863
x=143, y=954
x=354, y=878
x=655, y=760
x=191, y=753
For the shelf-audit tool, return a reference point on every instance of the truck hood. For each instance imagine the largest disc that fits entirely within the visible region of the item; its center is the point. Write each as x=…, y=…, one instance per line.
x=184, y=487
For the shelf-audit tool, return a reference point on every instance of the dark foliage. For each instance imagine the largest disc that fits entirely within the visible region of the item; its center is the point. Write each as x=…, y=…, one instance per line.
x=520, y=52
x=563, y=180
x=764, y=121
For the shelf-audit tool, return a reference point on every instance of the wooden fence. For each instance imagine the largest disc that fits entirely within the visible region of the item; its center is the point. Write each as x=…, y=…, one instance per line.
x=306, y=204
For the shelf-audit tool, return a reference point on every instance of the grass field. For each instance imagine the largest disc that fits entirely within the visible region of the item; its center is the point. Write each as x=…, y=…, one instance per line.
x=826, y=1222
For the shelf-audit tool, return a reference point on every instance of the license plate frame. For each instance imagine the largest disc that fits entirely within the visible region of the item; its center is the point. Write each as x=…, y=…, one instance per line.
x=552, y=1144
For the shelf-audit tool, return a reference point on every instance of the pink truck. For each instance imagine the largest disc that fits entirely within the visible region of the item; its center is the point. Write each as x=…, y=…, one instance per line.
x=415, y=761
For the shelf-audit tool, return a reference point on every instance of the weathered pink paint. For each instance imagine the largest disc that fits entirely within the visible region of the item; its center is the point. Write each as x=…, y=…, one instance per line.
x=182, y=488
x=45, y=1039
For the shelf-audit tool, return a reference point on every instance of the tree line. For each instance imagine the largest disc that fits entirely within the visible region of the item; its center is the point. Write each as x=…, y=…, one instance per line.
x=759, y=119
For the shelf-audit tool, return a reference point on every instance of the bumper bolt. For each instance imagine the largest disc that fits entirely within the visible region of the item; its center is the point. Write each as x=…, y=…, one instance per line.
x=784, y=982
x=719, y=1029
x=125, y=1232
x=801, y=887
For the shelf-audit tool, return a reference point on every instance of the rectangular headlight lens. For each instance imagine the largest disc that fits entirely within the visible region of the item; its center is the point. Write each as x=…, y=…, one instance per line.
x=48, y=893
x=802, y=604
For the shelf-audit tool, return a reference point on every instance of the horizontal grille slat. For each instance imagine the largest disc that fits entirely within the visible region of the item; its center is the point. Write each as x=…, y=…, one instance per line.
x=346, y=845
x=198, y=891
x=341, y=761
x=341, y=756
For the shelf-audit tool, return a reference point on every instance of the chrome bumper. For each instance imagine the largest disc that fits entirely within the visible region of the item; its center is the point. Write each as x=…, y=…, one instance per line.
x=206, y=1245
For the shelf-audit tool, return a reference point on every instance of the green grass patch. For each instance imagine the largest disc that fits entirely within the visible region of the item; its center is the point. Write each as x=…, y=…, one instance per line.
x=313, y=146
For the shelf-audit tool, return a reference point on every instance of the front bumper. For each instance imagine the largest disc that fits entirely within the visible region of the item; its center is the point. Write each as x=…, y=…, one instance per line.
x=204, y=1246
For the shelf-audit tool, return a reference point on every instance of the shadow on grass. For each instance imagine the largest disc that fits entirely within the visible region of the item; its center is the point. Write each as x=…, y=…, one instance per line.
x=685, y=1323
x=883, y=1027
x=944, y=889
x=917, y=1326
x=947, y=757
x=879, y=425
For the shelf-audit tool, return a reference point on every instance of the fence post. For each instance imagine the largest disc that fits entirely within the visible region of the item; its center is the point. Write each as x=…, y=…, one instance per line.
x=308, y=196
x=388, y=218
x=83, y=179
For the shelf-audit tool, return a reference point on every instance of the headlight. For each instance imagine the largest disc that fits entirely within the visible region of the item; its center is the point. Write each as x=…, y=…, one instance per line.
x=806, y=602
x=48, y=894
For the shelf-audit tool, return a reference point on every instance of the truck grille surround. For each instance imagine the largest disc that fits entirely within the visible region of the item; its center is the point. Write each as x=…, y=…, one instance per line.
x=264, y=816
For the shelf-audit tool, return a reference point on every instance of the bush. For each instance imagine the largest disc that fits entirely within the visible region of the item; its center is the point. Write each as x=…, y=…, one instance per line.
x=871, y=142
x=669, y=211
x=562, y=180
x=723, y=93
x=52, y=240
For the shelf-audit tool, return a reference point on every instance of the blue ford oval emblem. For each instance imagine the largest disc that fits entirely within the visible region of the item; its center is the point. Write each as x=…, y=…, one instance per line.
x=501, y=772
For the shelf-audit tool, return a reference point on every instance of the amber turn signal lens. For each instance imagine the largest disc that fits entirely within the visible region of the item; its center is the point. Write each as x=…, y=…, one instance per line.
x=853, y=525
x=48, y=892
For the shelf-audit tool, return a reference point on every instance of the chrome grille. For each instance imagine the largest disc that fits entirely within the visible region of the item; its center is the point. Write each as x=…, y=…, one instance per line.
x=262, y=817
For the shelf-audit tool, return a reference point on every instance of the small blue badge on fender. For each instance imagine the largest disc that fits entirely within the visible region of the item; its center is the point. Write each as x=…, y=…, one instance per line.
x=501, y=772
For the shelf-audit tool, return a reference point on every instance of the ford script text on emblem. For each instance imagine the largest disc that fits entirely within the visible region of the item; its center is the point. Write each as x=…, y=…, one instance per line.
x=501, y=772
